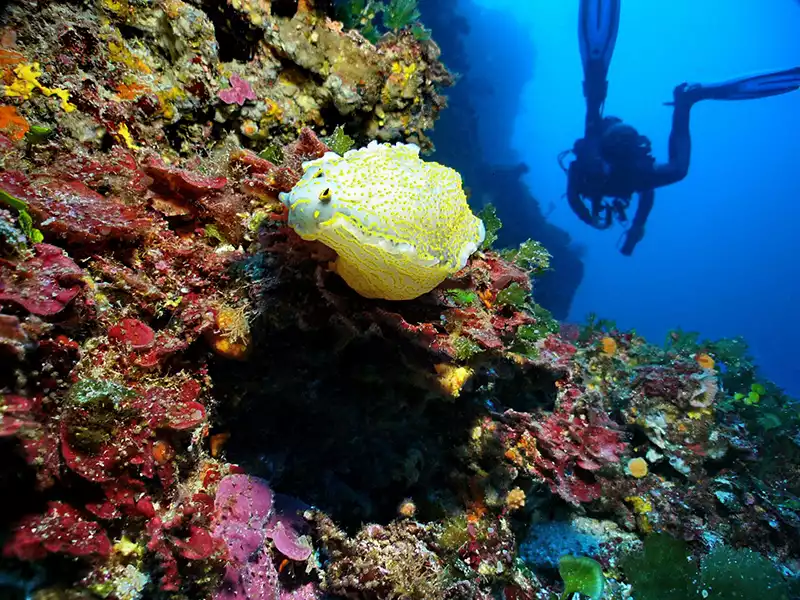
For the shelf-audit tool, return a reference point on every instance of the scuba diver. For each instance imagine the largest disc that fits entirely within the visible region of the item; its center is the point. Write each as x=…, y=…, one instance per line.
x=612, y=160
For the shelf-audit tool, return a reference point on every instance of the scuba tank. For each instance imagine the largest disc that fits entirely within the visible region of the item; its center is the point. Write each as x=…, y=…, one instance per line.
x=606, y=172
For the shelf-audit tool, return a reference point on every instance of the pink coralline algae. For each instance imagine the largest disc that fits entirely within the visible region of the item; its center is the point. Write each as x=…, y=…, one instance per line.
x=124, y=495
x=44, y=284
x=503, y=273
x=474, y=325
x=13, y=337
x=132, y=332
x=61, y=529
x=70, y=210
x=127, y=439
x=23, y=417
x=239, y=92
x=666, y=383
x=246, y=516
x=118, y=169
x=564, y=450
x=174, y=180
x=557, y=352
x=81, y=215
x=14, y=414
x=285, y=526
x=243, y=505
x=198, y=546
x=267, y=178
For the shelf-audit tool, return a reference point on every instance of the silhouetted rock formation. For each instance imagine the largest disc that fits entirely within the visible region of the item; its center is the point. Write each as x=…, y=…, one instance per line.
x=458, y=144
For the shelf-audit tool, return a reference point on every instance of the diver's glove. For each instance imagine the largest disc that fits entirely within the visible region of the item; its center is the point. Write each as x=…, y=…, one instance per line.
x=633, y=236
x=686, y=94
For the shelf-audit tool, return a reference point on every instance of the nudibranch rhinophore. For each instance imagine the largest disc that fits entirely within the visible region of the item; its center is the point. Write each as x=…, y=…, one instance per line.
x=400, y=225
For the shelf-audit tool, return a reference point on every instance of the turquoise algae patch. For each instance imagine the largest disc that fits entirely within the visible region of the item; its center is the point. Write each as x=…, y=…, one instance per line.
x=399, y=225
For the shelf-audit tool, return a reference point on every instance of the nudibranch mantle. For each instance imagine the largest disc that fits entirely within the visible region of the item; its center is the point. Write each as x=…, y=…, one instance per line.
x=400, y=225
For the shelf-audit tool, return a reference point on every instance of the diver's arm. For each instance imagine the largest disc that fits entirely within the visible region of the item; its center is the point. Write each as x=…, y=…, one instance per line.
x=680, y=150
x=576, y=203
x=635, y=233
x=643, y=208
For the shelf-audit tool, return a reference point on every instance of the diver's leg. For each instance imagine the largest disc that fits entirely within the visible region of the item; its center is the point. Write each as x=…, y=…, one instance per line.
x=597, y=30
x=685, y=95
x=747, y=88
x=598, y=24
x=636, y=231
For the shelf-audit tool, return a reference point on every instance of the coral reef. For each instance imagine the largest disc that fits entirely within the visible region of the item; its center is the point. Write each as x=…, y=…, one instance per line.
x=195, y=404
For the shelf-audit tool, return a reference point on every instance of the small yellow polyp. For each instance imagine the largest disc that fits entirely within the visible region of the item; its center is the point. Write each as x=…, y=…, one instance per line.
x=399, y=225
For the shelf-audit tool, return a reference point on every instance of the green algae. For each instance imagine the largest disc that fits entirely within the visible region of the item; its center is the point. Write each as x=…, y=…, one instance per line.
x=97, y=409
x=339, y=142
x=461, y=297
x=98, y=393
x=491, y=223
x=465, y=348
x=666, y=570
x=531, y=256
x=514, y=295
x=23, y=216
x=740, y=574
x=581, y=575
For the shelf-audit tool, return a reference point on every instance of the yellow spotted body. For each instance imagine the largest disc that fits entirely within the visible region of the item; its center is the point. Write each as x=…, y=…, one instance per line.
x=399, y=225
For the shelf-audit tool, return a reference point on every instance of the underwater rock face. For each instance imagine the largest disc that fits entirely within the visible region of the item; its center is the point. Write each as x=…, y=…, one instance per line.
x=399, y=225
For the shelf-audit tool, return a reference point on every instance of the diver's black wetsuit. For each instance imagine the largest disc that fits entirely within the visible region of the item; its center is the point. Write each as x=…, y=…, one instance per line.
x=592, y=176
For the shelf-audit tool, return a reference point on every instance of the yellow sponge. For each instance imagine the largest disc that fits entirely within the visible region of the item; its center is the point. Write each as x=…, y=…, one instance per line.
x=399, y=225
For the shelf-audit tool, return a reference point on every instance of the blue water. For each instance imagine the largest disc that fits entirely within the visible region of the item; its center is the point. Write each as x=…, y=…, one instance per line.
x=721, y=254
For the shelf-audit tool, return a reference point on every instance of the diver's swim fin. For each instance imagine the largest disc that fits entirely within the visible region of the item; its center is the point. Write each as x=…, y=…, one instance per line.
x=747, y=88
x=598, y=25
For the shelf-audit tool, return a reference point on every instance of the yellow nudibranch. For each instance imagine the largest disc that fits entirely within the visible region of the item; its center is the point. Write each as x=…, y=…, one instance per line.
x=399, y=225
